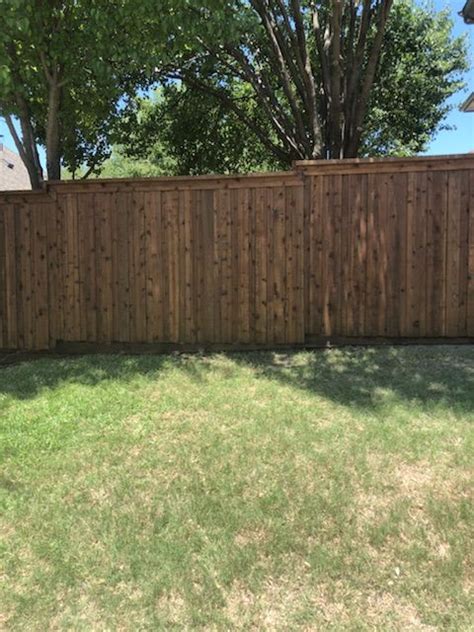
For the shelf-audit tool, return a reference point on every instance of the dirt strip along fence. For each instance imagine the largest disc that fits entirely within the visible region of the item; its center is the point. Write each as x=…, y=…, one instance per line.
x=333, y=249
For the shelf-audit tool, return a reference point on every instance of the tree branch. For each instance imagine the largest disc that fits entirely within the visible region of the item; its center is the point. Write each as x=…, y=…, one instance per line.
x=383, y=13
x=261, y=134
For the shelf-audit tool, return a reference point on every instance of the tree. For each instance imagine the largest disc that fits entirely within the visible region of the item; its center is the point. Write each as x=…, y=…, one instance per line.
x=181, y=131
x=319, y=72
x=65, y=69
x=421, y=67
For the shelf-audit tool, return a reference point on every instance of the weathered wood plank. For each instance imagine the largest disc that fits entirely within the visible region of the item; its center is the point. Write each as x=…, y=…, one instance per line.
x=453, y=253
x=243, y=245
x=208, y=299
x=25, y=296
x=315, y=325
x=336, y=260
x=105, y=207
x=270, y=236
x=462, y=325
x=372, y=283
x=226, y=266
x=198, y=266
x=470, y=289
x=154, y=317
x=190, y=312
x=3, y=289
x=298, y=309
x=14, y=333
x=436, y=280
x=348, y=211
x=40, y=277
x=279, y=261
x=261, y=309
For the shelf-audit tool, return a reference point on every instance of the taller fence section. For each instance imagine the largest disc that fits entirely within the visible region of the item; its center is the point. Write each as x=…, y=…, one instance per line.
x=390, y=248
x=331, y=249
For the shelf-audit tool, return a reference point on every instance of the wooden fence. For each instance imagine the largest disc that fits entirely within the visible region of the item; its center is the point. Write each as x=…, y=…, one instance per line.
x=332, y=249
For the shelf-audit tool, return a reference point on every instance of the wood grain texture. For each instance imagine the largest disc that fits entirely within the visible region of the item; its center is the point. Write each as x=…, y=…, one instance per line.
x=333, y=250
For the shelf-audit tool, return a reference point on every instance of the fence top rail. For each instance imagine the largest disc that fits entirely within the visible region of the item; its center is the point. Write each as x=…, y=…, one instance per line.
x=53, y=188
x=384, y=165
x=24, y=197
x=301, y=168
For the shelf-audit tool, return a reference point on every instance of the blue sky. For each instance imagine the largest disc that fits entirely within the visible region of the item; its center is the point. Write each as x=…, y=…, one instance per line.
x=453, y=141
x=461, y=139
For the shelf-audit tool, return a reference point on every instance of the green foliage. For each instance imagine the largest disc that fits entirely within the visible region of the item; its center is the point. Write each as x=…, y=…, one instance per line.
x=104, y=52
x=122, y=165
x=421, y=67
x=95, y=51
x=184, y=131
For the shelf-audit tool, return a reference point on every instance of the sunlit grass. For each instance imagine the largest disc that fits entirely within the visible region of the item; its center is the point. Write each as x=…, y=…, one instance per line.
x=325, y=490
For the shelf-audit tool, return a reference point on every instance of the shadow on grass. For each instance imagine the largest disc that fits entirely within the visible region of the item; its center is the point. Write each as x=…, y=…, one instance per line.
x=360, y=377
x=364, y=377
x=26, y=379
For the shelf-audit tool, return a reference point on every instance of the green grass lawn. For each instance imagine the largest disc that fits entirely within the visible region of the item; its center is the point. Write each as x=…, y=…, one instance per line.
x=325, y=490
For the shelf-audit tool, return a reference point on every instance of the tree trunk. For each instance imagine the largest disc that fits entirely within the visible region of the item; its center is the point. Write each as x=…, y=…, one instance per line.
x=26, y=147
x=53, y=153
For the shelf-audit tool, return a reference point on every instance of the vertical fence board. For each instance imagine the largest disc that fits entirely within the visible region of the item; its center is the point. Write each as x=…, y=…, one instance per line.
x=13, y=340
x=243, y=249
x=40, y=266
x=269, y=216
x=314, y=264
x=217, y=260
x=105, y=207
x=82, y=262
x=172, y=224
x=279, y=264
x=348, y=210
x=53, y=262
x=3, y=283
x=453, y=254
x=154, y=321
x=208, y=299
x=470, y=290
x=290, y=255
x=261, y=265
x=327, y=281
x=198, y=286
x=400, y=185
x=137, y=269
x=25, y=278
x=358, y=228
x=60, y=266
x=225, y=260
x=436, y=291
x=463, y=256
x=190, y=319
x=372, y=259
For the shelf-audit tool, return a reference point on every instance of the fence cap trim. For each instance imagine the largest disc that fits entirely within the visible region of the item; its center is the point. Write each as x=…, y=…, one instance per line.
x=361, y=166
x=270, y=178
x=382, y=160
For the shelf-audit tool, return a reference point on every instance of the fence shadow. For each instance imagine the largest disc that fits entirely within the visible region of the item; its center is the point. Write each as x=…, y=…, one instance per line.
x=355, y=377
x=25, y=380
x=363, y=377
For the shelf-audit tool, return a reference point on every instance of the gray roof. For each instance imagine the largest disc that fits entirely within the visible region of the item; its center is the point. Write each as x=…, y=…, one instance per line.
x=468, y=12
x=13, y=173
x=468, y=105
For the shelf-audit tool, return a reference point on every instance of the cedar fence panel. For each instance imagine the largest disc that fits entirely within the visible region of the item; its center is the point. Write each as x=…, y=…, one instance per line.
x=334, y=249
